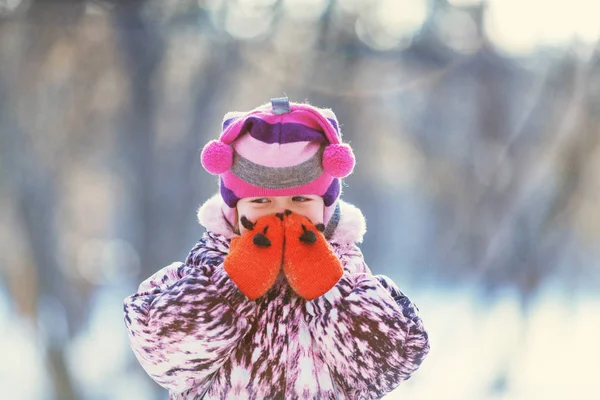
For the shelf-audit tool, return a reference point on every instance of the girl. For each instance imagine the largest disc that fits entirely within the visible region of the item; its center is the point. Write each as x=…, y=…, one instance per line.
x=275, y=301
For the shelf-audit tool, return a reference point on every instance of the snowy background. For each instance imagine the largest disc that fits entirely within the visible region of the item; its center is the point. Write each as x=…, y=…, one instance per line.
x=476, y=125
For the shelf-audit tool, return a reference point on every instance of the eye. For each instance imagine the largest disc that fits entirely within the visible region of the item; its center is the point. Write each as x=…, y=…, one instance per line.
x=260, y=200
x=301, y=199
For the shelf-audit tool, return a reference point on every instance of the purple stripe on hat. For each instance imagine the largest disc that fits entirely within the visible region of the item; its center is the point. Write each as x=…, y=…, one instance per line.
x=228, y=122
x=228, y=196
x=332, y=193
x=335, y=125
x=281, y=132
x=231, y=117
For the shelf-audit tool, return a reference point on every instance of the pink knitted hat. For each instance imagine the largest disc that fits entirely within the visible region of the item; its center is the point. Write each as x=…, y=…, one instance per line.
x=280, y=149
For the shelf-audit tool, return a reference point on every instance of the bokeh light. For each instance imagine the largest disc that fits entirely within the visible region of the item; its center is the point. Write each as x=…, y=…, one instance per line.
x=391, y=23
x=305, y=10
x=465, y=3
x=250, y=19
x=458, y=30
x=520, y=26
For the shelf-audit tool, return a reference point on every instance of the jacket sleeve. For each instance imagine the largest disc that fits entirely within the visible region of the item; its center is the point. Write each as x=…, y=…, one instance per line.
x=367, y=331
x=184, y=322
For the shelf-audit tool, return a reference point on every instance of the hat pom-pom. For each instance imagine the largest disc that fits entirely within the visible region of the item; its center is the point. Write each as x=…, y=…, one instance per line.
x=216, y=157
x=338, y=160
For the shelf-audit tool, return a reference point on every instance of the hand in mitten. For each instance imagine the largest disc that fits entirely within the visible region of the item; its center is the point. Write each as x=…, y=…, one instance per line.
x=255, y=257
x=309, y=264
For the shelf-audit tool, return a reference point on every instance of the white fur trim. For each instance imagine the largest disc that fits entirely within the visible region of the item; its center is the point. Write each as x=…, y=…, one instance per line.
x=233, y=114
x=327, y=113
x=212, y=216
x=351, y=227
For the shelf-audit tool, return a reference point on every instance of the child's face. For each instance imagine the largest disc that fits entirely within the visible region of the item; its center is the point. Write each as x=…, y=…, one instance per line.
x=310, y=206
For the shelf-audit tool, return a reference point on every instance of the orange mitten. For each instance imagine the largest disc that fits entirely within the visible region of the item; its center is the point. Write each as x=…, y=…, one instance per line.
x=309, y=264
x=255, y=257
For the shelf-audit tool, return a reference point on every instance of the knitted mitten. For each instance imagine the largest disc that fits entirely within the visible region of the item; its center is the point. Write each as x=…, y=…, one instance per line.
x=255, y=257
x=309, y=264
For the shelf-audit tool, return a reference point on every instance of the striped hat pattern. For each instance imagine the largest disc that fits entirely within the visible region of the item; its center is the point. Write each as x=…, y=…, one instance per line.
x=280, y=149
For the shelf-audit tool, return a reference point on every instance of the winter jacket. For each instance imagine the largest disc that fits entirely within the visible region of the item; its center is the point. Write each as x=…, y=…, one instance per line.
x=198, y=336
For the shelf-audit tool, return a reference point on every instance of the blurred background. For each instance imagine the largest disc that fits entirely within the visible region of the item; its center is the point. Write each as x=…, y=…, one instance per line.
x=476, y=124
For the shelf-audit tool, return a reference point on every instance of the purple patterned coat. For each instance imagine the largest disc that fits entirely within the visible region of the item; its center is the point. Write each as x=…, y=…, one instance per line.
x=198, y=336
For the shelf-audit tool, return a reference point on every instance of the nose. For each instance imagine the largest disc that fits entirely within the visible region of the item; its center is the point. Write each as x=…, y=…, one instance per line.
x=283, y=204
x=281, y=214
x=280, y=209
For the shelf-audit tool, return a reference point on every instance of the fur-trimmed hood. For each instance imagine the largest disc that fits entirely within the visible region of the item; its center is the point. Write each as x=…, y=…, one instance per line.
x=350, y=229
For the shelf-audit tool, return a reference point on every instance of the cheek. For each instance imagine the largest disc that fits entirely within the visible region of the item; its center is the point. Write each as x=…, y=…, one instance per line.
x=251, y=214
x=317, y=217
x=314, y=213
